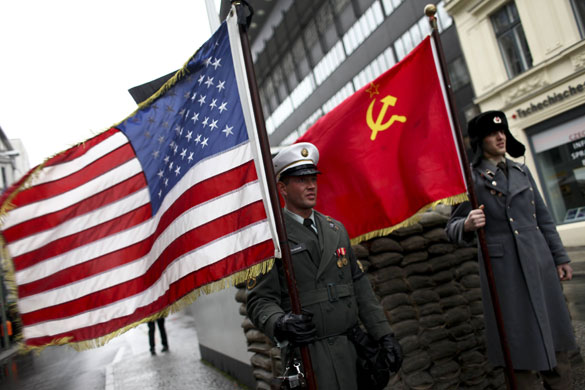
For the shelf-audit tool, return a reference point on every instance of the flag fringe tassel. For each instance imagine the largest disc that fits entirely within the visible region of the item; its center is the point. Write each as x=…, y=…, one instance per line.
x=26, y=180
x=232, y=280
x=450, y=201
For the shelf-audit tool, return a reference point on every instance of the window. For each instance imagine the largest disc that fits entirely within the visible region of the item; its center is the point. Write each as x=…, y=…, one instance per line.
x=4, y=182
x=511, y=39
x=340, y=96
x=391, y=5
x=381, y=64
x=458, y=74
x=399, y=48
x=445, y=21
x=362, y=29
x=560, y=158
x=579, y=10
x=290, y=70
x=270, y=95
x=279, y=83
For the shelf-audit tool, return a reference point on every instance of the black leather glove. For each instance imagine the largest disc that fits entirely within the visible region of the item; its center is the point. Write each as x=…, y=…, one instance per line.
x=393, y=352
x=295, y=328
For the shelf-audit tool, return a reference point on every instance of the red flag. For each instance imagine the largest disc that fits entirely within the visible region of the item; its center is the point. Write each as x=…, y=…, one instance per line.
x=388, y=152
x=133, y=222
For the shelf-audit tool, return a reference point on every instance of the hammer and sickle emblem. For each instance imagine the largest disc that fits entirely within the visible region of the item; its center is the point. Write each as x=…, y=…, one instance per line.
x=378, y=125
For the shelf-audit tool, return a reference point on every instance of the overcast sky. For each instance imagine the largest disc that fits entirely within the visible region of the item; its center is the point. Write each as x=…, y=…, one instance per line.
x=66, y=65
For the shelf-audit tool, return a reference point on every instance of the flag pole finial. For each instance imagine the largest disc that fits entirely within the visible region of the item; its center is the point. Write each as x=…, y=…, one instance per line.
x=430, y=11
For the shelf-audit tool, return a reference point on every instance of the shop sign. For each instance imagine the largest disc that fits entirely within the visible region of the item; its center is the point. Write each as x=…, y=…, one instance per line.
x=550, y=100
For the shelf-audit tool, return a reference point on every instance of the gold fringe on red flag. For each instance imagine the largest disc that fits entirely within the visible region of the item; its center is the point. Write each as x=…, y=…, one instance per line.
x=450, y=201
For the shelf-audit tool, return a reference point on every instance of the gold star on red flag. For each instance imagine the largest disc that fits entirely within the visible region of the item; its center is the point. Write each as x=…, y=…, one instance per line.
x=373, y=89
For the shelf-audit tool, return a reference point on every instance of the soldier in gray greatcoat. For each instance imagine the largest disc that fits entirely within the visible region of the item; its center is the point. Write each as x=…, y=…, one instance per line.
x=527, y=256
x=333, y=290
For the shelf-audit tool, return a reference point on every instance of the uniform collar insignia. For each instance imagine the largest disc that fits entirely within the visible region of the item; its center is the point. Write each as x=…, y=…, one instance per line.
x=331, y=224
x=518, y=167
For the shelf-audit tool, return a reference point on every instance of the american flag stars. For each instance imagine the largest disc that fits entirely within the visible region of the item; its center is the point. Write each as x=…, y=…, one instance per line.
x=215, y=62
x=227, y=130
x=205, y=103
x=220, y=85
x=189, y=139
x=158, y=228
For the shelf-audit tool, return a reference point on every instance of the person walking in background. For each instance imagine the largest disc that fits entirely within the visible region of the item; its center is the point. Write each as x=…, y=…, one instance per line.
x=163, y=335
x=527, y=257
x=333, y=290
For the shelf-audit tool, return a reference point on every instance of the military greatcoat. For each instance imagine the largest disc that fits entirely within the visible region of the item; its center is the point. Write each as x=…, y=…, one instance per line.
x=332, y=287
x=524, y=248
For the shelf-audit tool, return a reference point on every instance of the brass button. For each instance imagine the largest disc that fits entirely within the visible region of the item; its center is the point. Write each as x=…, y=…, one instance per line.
x=511, y=219
x=516, y=232
x=494, y=183
x=493, y=192
x=531, y=189
x=534, y=215
x=532, y=201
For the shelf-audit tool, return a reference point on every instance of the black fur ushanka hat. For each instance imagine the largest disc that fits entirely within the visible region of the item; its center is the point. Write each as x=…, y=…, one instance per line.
x=483, y=125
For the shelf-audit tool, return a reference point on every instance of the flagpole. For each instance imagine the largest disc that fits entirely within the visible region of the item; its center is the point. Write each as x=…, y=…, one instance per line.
x=212, y=15
x=430, y=11
x=269, y=169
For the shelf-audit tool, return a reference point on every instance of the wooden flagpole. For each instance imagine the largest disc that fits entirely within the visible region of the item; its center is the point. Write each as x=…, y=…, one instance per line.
x=430, y=11
x=269, y=169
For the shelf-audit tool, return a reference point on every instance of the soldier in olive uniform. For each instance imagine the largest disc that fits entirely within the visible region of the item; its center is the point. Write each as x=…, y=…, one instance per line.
x=333, y=290
x=527, y=256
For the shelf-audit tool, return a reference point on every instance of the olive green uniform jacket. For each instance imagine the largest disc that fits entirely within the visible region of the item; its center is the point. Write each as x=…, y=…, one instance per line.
x=335, y=290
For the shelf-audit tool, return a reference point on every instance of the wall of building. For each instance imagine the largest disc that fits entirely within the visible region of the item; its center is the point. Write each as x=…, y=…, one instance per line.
x=307, y=62
x=539, y=102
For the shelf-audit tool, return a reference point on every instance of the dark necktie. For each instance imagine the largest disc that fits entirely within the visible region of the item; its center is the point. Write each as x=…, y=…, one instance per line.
x=502, y=165
x=308, y=222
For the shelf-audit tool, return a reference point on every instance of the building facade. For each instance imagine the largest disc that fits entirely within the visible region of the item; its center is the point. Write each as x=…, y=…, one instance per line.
x=311, y=55
x=13, y=164
x=527, y=58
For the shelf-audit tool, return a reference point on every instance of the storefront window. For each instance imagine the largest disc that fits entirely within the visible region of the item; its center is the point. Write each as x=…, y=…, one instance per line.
x=560, y=158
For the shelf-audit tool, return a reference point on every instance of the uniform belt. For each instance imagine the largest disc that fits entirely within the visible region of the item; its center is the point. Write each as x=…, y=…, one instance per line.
x=332, y=293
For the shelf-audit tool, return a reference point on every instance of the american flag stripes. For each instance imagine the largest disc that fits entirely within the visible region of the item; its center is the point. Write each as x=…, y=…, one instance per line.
x=118, y=228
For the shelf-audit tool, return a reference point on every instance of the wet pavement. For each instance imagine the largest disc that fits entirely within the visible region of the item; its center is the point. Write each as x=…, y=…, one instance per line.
x=125, y=363
x=180, y=368
x=575, y=294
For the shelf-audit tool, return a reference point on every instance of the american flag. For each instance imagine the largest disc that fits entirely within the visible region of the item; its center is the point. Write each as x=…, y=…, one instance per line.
x=120, y=227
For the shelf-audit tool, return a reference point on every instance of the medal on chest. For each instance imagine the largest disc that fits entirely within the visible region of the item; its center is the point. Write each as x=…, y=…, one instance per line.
x=341, y=257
